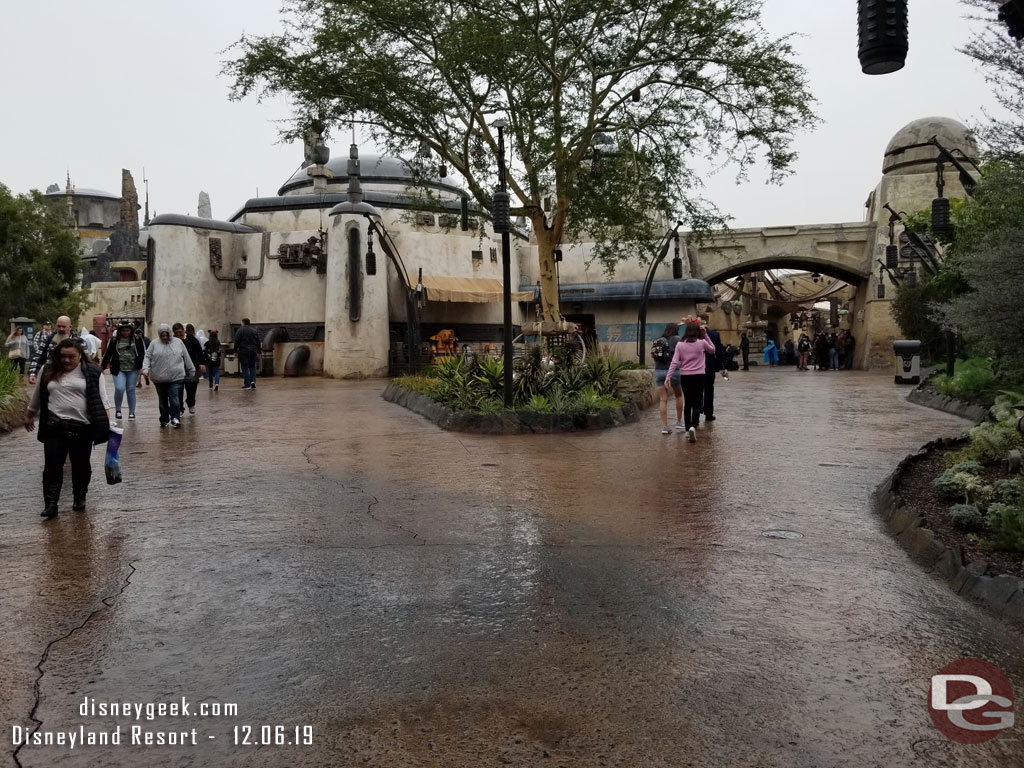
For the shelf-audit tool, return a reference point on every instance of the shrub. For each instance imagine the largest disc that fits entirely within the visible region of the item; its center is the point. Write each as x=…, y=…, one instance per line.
x=947, y=485
x=1006, y=527
x=973, y=377
x=1009, y=491
x=425, y=385
x=1009, y=404
x=966, y=516
x=990, y=442
x=539, y=404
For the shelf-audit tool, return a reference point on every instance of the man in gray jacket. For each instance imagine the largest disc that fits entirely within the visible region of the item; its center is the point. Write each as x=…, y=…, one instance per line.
x=167, y=364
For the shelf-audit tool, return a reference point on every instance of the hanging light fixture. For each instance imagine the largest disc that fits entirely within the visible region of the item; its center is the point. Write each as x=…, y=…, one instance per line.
x=882, y=39
x=371, y=256
x=677, y=262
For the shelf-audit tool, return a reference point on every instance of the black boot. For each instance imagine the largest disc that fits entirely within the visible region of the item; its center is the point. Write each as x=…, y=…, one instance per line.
x=50, y=496
x=79, y=504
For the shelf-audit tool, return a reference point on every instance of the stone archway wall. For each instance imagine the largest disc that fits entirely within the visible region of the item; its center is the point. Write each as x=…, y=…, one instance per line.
x=844, y=251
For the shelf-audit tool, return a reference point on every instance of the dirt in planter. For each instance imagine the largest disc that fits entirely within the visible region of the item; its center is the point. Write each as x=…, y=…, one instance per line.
x=916, y=492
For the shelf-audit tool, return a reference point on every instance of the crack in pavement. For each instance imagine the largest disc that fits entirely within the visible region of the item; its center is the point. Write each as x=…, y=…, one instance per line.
x=108, y=602
x=374, y=500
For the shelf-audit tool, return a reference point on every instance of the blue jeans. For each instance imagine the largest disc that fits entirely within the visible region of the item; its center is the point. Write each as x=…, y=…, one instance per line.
x=213, y=374
x=168, y=394
x=833, y=355
x=247, y=361
x=124, y=382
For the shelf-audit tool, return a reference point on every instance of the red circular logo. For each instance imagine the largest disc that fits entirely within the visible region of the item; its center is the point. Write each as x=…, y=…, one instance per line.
x=971, y=701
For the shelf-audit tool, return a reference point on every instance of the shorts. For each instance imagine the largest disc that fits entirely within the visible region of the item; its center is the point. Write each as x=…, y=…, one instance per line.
x=659, y=378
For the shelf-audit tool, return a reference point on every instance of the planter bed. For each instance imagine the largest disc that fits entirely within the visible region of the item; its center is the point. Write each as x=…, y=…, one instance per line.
x=507, y=422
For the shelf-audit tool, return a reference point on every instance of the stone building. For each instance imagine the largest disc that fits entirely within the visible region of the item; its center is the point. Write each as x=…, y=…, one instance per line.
x=299, y=264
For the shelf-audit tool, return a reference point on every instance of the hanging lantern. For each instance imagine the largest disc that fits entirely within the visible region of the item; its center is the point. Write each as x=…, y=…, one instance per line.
x=882, y=40
x=941, y=224
x=892, y=256
x=371, y=257
x=881, y=290
x=910, y=278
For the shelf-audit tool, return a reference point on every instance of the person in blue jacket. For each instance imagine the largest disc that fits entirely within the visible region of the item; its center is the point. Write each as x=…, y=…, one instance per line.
x=771, y=354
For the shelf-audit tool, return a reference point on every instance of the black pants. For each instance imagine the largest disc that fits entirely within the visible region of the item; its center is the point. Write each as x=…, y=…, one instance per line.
x=693, y=392
x=746, y=359
x=60, y=444
x=167, y=394
x=187, y=393
x=709, y=394
x=19, y=363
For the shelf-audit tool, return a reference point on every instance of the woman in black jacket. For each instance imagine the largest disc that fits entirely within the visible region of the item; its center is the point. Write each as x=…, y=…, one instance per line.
x=124, y=355
x=72, y=406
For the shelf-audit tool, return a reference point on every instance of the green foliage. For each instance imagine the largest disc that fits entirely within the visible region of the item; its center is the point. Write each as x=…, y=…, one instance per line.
x=711, y=83
x=538, y=403
x=1007, y=405
x=491, y=374
x=39, y=260
x=1009, y=491
x=967, y=516
x=990, y=442
x=9, y=381
x=425, y=385
x=948, y=485
x=973, y=377
x=1006, y=527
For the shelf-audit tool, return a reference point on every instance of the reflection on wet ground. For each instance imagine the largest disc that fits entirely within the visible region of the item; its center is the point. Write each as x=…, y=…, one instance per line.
x=423, y=598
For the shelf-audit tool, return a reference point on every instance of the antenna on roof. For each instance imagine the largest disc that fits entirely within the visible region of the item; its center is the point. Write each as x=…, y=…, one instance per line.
x=145, y=182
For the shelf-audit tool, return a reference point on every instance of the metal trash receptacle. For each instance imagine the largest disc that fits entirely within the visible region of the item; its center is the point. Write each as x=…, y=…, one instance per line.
x=908, y=361
x=230, y=365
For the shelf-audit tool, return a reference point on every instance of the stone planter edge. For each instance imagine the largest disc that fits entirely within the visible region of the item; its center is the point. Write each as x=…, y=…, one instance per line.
x=520, y=422
x=1003, y=593
x=926, y=395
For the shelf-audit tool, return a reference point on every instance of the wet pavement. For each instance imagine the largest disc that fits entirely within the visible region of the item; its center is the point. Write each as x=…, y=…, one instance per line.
x=321, y=558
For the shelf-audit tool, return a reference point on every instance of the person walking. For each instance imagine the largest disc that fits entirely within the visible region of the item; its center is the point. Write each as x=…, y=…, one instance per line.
x=195, y=353
x=745, y=350
x=689, y=360
x=18, y=349
x=712, y=365
x=662, y=351
x=833, y=351
x=124, y=356
x=72, y=407
x=247, y=346
x=211, y=353
x=40, y=339
x=804, y=348
x=168, y=364
x=49, y=344
x=771, y=353
x=850, y=343
x=821, y=352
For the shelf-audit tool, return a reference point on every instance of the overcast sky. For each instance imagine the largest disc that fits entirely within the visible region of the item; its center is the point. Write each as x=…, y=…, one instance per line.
x=93, y=87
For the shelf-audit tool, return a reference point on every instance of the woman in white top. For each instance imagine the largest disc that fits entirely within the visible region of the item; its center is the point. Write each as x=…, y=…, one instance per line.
x=72, y=405
x=17, y=349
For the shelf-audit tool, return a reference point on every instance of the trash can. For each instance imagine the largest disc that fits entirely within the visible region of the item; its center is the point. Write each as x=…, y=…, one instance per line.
x=908, y=361
x=230, y=365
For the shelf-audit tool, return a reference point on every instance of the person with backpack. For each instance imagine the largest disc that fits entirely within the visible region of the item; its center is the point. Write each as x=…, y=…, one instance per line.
x=662, y=350
x=689, y=361
x=804, y=348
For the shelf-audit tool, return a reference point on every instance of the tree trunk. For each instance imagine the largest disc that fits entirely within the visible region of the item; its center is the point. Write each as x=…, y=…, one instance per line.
x=548, y=279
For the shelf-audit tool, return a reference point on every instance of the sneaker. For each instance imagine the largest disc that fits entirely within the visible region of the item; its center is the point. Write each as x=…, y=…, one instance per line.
x=709, y=418
x=131, y=416
x=163, y=424
x=680, y=426
x=666, y=431
x=245, y=386
x=253, y=385
x=191, y=410
x=175, y=423
x=117, y=414
x=216, y=387
x=691, y=435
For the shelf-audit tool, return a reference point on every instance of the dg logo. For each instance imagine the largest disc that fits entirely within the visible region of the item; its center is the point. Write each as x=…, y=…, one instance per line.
x=971, y=701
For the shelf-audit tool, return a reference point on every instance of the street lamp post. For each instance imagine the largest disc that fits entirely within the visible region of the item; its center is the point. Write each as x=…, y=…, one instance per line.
x=502, y=224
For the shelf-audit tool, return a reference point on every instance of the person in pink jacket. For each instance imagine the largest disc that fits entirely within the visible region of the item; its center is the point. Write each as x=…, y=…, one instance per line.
x=689, y=361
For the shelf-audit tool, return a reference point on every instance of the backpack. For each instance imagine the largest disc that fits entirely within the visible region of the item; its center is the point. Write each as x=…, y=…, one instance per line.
x=662, y=349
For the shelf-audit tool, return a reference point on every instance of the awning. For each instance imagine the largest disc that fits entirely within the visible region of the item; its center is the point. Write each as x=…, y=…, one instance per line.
x=474, y=290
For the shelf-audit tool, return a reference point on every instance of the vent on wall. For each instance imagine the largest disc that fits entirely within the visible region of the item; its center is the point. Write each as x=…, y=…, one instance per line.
x=425, y=219
x=448, y=222
x=478, y=255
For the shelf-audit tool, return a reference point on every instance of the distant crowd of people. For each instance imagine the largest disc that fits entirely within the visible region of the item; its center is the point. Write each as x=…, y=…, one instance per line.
x=70, y=400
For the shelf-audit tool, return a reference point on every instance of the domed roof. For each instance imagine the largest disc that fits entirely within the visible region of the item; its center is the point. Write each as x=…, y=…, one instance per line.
x=373, y=169
x=85, y=192
x=910, y=150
